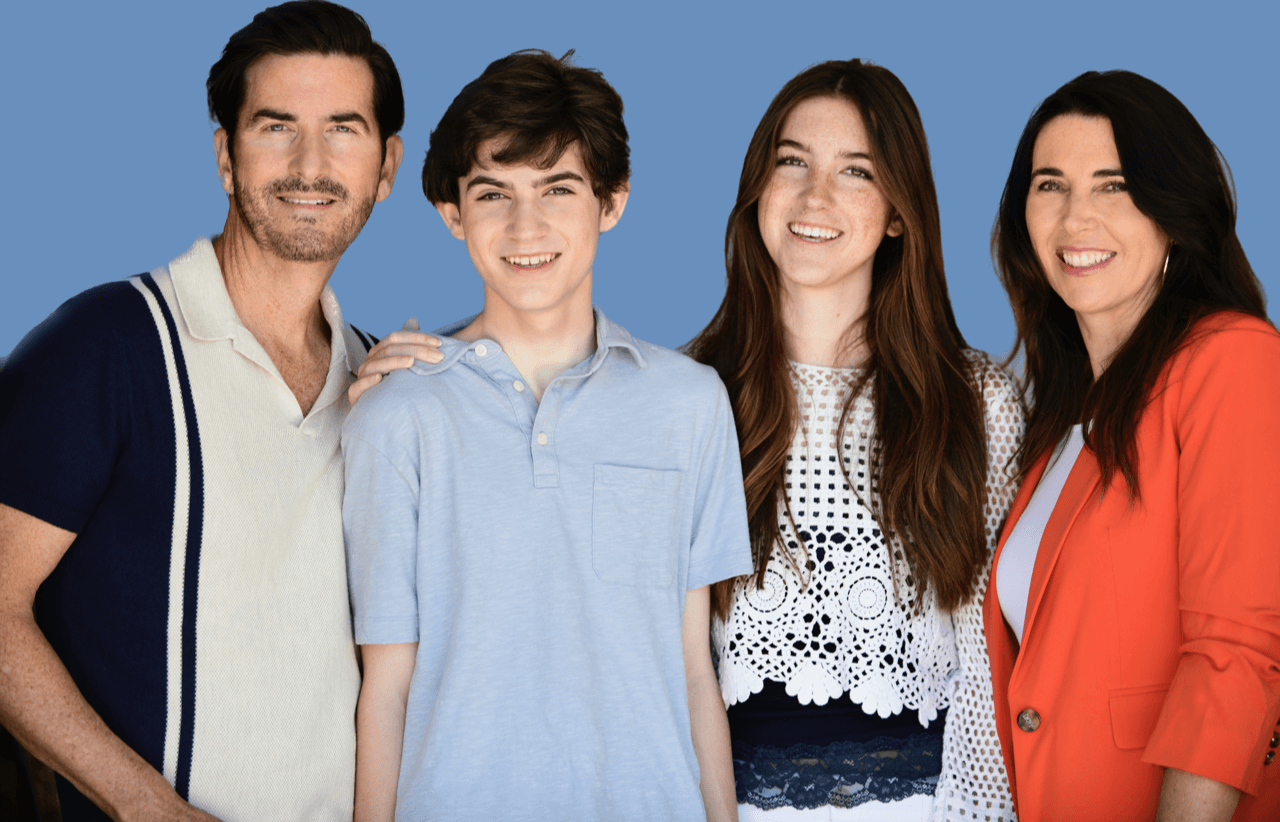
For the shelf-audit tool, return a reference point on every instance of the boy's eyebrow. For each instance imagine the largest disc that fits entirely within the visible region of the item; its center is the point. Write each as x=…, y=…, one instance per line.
x=482, y=180
x=556, y=178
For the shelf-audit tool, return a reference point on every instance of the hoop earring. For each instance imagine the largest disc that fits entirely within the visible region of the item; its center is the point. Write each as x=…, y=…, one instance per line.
x=1166, y=260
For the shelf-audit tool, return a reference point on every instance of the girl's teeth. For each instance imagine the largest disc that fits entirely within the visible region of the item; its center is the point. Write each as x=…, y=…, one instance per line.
x=1084, y=259
x=814, y=232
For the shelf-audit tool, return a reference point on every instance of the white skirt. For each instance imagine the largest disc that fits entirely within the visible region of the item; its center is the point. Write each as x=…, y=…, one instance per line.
x=912, y=809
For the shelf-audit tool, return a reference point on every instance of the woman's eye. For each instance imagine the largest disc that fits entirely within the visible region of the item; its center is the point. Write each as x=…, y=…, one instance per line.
x=1049, y=185
x=856, y=171
x=1115, y=187
x=788, y=160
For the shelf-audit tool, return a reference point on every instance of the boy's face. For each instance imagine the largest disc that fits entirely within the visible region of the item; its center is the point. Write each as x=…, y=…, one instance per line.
x=531, y=232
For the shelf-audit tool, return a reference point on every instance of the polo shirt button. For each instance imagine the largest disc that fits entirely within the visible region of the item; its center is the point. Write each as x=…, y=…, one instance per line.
x=1028, y=720
x=517, y=385
x=481, y=350
x=542, y=439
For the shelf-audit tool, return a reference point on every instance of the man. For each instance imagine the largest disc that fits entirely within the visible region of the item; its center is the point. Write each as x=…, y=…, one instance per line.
x=533, y=523
x=173, y=492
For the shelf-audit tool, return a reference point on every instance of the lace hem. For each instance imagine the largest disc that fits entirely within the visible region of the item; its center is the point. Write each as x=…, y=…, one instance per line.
x=843, y=774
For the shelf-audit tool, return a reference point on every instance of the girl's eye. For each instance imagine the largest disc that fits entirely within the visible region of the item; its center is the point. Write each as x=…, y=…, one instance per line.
x=855, y=171
x=788, y=160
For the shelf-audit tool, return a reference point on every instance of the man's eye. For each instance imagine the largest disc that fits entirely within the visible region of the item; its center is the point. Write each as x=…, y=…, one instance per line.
x=491, y=195
x=560, y=190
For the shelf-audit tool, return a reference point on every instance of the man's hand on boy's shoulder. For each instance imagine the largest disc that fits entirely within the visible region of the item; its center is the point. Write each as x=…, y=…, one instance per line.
x=394, y=352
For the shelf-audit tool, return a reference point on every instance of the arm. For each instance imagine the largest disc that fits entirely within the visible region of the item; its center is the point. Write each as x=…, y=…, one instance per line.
x=707, y=721
x=384, y=695
x=394, y=352
x=1222, y=703
x=1187, y=797
x=41, y=705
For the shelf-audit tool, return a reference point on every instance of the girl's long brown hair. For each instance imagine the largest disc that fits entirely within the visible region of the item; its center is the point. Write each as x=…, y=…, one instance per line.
x=1176, y=176
x=928, y=464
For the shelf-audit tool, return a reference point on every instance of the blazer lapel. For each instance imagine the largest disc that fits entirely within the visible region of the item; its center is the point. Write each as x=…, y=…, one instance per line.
x=1079, y=489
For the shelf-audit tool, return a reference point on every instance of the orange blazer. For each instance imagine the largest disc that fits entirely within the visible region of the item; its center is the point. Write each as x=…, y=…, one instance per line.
x=1152, y=635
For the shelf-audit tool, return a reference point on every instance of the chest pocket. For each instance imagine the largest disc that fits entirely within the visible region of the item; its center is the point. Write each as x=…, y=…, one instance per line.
x=635, y=525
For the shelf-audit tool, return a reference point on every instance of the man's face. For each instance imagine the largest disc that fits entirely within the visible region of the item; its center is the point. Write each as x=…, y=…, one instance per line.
x=308, y=157
x=531, y=232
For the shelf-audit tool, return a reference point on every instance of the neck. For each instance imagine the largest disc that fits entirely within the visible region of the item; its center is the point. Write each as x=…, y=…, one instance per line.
x=277, y=300
x=1103, y=336
x=541, y=344
x=818, y=322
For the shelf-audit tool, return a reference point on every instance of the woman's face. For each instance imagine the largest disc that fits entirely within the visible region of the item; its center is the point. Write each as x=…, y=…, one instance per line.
x=822, y=215
x=1102, y=255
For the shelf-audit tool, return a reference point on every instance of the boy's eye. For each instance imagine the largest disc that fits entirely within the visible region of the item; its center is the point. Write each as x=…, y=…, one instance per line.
x=491, y=195
x=560, y=190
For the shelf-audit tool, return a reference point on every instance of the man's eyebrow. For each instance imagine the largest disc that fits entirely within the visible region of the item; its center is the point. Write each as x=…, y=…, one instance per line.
x=481, y=180
x=272, y=114
x=349, y=117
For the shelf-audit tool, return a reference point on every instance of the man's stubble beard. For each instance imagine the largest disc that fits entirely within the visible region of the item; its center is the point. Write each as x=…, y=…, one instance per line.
x=301, y=240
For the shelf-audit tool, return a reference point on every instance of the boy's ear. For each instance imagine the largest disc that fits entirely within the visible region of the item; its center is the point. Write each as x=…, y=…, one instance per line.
x=452, y=216
x=611, y=210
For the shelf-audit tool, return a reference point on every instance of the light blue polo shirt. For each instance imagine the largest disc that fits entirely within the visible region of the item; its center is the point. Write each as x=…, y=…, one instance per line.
x=540, y=554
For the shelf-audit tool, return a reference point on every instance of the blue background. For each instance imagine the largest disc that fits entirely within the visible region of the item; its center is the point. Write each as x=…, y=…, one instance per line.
x=111, y=166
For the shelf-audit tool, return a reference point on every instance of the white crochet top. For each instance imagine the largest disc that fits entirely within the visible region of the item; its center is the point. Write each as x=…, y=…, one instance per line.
x=846, y=630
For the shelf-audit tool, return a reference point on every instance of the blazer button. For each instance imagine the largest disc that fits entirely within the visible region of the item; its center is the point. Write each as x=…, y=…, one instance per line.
x=1028, y=720
x=1275, y=740
x=1270, y=756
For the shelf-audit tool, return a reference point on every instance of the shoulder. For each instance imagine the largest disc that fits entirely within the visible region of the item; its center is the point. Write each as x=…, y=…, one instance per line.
x=1228, y=345
x=997, y=385
x=678, y=380
x=89, y=326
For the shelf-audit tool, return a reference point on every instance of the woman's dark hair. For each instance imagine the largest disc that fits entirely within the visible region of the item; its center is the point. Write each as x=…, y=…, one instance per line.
x=928, y=462
x=1178, y=178
x=303, y=27
x=538, y=106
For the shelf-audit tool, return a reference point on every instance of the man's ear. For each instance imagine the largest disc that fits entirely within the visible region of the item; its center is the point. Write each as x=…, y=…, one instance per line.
x=395, y=153
x=613, y=207
x=222, y=155
x=452, y=216
x=895, y=228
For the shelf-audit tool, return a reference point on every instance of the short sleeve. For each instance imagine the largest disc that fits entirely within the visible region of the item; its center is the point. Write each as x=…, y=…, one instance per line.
x=65, y=404
x=720, y=546
x=380, y=520
x=1225, y=692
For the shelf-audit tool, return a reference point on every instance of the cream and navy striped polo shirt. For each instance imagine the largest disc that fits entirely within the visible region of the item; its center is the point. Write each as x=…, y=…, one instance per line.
x=202, y=609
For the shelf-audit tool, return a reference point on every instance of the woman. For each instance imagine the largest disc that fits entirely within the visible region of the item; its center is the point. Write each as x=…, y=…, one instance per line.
x=1134, y=615
x=874, y=449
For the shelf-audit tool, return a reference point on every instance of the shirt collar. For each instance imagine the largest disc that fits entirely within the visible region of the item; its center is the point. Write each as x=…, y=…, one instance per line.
x=206, y=307
x=609, y=335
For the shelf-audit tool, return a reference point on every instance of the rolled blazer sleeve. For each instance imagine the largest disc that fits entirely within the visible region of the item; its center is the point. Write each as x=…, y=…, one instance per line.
x=1224, y=699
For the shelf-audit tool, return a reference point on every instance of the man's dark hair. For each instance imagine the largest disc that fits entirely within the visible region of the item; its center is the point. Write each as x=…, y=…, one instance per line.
x=538, y=106
x=303, y=27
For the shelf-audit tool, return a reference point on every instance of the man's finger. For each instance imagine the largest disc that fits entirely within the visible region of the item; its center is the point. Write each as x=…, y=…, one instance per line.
x=411, y=324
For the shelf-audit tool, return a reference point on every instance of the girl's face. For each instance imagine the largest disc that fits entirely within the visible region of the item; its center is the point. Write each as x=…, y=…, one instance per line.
x=822, y=214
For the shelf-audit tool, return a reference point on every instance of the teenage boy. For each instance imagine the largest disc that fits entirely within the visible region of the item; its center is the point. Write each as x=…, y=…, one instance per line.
x=533, y=523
